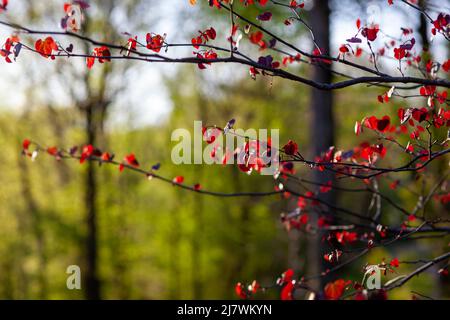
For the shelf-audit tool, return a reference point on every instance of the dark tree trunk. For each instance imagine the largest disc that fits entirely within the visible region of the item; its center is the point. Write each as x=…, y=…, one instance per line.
x=92, y=280
x=423, y=28
x=322, y=122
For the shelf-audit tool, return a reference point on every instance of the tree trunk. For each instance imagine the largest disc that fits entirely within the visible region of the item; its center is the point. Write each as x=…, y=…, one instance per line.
x=92, y=280
x=322, y=125
x=423, y=28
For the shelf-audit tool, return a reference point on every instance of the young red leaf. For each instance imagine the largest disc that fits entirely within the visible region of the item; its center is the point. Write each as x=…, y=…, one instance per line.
x=240, y=291
x=52, y=151
x=370, y=33
x=290, y=148
x=26, y=144
x=394, y=263
x=131, y=160
x=334, y=290
x=45, y=47
x=178, y=179
x=286, y=292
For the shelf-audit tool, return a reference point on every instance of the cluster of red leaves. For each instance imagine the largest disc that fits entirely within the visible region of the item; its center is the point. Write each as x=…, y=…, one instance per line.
x=155, y=41
x=257, y=38
x=89, y=151
x=296, y=221
x=414, y=116
x=245, y=293
x=13, y=46
x=205, y=55
x=369, y=152
x=251, y=155
x=404, y=49
x=334, y=290
x=204, y=37
x=370, y=32
x=287, y=284
x=130, y=160
x=291, y=59
x=45, y=47
x=345, y=237
x=381, y=125
x=441, y=23
x=101, y=53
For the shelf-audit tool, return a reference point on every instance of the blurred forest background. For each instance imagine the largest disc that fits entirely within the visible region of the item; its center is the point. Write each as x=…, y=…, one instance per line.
x=141, y=239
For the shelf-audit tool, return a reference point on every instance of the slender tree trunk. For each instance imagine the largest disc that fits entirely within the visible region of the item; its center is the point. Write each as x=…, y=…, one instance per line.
x=423, y=28
x=92, y=280
x=322, y=123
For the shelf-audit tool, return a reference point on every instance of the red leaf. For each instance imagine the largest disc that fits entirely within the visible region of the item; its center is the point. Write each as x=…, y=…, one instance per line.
x=394, y=263
x=131, y=160
x=46, y=47
x=239, y=289
x=446, y=65
x=399, y=53
x=25, y=144
x=90, y=62
x=86, y=153
x=211, y=33
x=334, y=290
x=370, y=33
x=346, y=237
x=155, y=42
x=178, y=179
x=52, y=150
x=106, y=156
x=290, y=148
x=287, y=276
x=286, y=292
x=256, y=37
